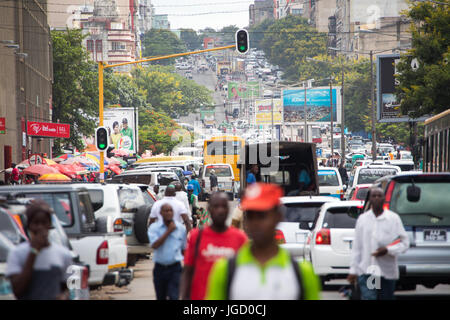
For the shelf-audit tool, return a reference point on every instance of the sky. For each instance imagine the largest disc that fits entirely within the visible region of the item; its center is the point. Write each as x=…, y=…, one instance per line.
x=199, y=14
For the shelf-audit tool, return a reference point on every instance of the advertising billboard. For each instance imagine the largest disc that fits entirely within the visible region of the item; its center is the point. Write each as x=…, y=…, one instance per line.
x=263, y=112
x=317, y=105
x=243, y=90
x=48, y=129
x=388, y=106
x=121, y=125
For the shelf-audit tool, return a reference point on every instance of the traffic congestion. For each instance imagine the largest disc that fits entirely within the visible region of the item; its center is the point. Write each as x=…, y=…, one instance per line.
x=224, y=164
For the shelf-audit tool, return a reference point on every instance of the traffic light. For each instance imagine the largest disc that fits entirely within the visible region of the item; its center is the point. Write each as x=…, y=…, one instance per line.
x=101, y=139
x=242, y=41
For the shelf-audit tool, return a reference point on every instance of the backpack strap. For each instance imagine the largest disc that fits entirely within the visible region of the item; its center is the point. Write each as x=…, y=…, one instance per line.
x=231, y=268
x=298, y=275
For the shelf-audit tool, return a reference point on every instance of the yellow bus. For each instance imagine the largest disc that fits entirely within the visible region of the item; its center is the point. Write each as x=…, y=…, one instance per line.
x=224, y=149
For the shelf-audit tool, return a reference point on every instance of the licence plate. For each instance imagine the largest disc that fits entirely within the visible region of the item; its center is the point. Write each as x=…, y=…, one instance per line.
x=435, y=235
x=128, y=231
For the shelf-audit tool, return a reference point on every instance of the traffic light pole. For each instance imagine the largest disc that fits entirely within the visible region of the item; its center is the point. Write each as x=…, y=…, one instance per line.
x=102, y=66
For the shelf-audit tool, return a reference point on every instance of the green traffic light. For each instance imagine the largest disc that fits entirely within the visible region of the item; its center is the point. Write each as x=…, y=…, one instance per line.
x=242, y=48
x=101, y=145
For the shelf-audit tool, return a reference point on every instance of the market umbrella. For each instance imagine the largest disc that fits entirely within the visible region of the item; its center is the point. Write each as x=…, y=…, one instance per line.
x=49, y=162
x=65, y=156
x=54, y=177
x=94, y=157
x=114, y=169
x=71, y=170
x=120, y=152
x=23, y=165
x=39, y=169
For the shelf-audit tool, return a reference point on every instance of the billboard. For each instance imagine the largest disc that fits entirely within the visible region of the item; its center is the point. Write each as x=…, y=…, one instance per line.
x=263, y=112
x=121, y=125
x=48, y=129
x=243, y=90
x=317, y=105
x=388, y=106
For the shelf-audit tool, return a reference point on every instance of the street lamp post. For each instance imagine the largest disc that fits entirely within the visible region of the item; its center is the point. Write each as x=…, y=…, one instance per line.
x=374, y=141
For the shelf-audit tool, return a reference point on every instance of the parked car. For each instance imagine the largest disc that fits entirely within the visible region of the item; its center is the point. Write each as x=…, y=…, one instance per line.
x=148, y=177
x=330, y=183
x=328, y=247
x=300, y=214
x=359, y=192
x=104, y=252
x=370, y=173
x=225, y=179
x=404, y=165
x=422, y=202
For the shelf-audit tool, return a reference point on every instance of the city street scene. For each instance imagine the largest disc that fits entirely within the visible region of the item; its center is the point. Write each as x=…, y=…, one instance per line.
x=224, y=150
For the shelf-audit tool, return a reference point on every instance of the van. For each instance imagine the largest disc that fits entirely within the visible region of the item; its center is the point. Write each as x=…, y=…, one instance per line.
x=330, y=183
x=225, y=179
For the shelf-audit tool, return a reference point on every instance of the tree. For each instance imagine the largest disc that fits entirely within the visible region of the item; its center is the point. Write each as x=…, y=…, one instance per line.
x=159, y=42
x=257, y=32
x=75, y=88
x=425, y=91
x=121, y=89
x=228, y=34
x=191, y=39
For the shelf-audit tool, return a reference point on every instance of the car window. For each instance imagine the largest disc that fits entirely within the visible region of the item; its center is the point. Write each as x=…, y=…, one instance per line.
x=221, y=171
x=280, y=177
x=130, y=199
x=147, y=198
x=164, y=179
x=60, y=203
x=5, y=247
x=431, y=210
x=362, y=193
x=370, y=175
x=8, y=228
x=302, y=212
x=86, y=210
x=340, y=218
x=96, y=199
x=138, y=178
x=328, y=178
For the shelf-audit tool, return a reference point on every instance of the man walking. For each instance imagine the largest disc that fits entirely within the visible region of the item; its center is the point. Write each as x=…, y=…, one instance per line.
x=168, y=239
x=181, y=196
x=251, y=176
x=207, y=245
x=196, y=185
x=379, y=238
x=179, y=210
x=343, y=173
x=261, y=270
x=213, y=180
x=193, y=204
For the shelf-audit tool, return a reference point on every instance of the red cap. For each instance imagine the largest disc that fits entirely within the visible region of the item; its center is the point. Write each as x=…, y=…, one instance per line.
x=261, y=197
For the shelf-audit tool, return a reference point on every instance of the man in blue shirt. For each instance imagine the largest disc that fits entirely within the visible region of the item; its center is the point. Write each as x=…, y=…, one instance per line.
x=168, y=239
x=197, y=188
x=251, y=176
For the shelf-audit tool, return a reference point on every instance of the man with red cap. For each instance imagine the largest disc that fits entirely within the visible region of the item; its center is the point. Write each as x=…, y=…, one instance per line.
x=261, y=270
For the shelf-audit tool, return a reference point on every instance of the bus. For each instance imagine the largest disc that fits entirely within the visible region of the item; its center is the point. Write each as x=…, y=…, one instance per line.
x=224, y=149
x=436, y=156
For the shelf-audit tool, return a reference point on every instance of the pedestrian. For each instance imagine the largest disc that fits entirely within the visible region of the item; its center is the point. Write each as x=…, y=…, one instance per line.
x=179, y=210
x=205, y=246
x=251, y=175
x=379, y=238
x=158, y=195
x=193, y=204
x=37, y=269
x=343, y=173
x=262, y=270
x=168, y=240
x=203, y=217
x=213, y=180
x=181, y=196
x=399, y=156
x=196, y=184
x=15, y=174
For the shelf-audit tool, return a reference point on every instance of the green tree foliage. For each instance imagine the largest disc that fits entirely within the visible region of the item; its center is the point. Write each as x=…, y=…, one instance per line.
x=288, y=41
x=257, y=33
x=228, y=34
x=191, y=39
x=159, y=42
x=425, y=91
x=122, y=90
x=169, y=92
x=75, y=89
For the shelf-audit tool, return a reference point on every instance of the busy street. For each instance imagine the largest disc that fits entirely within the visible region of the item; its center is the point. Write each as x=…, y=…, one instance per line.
x=204, y=150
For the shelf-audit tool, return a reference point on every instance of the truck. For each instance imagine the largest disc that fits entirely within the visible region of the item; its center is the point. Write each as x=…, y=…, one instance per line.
x=223, y=67
x=281, y=163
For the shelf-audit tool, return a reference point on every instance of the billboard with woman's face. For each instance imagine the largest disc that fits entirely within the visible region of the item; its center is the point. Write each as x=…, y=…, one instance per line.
x=120, y=123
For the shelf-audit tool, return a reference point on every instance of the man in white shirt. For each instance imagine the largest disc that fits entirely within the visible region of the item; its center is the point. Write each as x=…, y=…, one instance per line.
x=379, y=238
x=180, y=213
x=181, y=196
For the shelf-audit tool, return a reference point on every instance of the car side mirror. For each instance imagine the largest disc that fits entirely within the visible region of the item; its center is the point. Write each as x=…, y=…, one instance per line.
x=306, y=225
x=413, y=193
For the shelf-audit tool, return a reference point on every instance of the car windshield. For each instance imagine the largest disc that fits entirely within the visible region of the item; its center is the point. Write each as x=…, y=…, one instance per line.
x=370, y=175
x=130, y=199
x=431, y=210
x=362, y=193
x=220, y=171
x=328, y=178
x=302, y=212
x=138, y=178
x=166, y=179
x=340, y=218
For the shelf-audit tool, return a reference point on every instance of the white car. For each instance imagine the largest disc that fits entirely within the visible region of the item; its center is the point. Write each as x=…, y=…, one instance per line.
x=330, y=183
x=329, y=245
x=300, y=213
x=225, y=178
x=371, y=173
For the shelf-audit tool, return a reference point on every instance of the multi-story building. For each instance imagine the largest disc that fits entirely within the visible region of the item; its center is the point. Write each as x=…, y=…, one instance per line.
x=160, y=21
x=261, y=10
x=370, y=25
x=26, y=79
x=318, y=13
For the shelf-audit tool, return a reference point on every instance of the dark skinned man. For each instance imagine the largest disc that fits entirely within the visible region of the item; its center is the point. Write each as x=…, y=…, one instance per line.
x=379, y=238
x=206, y=246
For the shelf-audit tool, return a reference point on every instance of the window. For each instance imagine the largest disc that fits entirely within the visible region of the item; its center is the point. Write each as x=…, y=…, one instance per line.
x=147, y=198
x=5, y=247
x=328, y=178
x=362, y=194
x=219, y=148
x=98, y=46
x=8, y=228
x=130, y=199
x=86, y=211
x=340, y=218
x=221, y=171
x=139, y=178
x=60, y=203
x=302, y=212
x=117, y=46
x=90, y=45
x=96, y=198
x=280, y=177
x=369, y=175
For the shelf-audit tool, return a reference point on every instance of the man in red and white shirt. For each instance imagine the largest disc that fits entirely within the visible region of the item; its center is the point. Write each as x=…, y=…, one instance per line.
x=206, y=246
x=379, y=238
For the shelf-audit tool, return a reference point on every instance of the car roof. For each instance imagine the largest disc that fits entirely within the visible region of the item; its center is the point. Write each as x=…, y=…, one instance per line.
x=365, y=185
x=43, y=187
x=307, y=199
x=327, y=168
x=342, y=204
x=378, y=166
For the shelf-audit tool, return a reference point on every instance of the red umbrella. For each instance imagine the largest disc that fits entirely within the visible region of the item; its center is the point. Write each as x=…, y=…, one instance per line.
x=120, y=152
x=69, y=170
x=114, y=169
x=39, y=169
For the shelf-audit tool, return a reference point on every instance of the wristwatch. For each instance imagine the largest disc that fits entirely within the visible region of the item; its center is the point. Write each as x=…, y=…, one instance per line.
x=35, y=251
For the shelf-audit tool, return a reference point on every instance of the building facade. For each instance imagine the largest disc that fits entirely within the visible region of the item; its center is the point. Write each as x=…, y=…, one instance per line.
x=261, y=10
x=26, y=79
x=160, y=21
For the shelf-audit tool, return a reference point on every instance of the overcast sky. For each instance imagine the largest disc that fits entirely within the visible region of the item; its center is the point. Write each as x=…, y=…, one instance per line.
x=199, y=14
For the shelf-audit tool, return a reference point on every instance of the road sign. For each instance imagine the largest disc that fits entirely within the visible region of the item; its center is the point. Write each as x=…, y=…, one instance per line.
x=36, y=159
x=319, y=153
